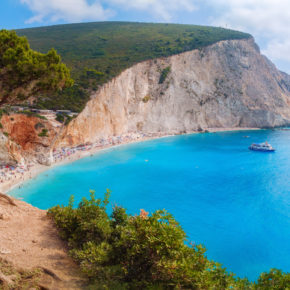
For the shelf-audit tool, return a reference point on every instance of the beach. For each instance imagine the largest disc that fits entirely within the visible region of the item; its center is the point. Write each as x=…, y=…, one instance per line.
x=11, y=178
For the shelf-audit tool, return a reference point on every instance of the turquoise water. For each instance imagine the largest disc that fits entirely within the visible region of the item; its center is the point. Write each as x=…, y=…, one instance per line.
x=234, y=201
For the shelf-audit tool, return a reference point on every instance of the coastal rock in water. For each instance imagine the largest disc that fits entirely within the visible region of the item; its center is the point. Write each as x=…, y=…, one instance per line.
x=226, y=85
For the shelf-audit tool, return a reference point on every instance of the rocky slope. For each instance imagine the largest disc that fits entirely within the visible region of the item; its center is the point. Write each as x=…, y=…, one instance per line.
x=27, y=140
x=10, y=152
x=29, y=240
x=228, y=84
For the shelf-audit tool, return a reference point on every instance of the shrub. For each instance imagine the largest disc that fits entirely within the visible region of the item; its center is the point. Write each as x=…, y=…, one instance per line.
x=92, y=73
x=40, y=117
x=43, y=133
x=63, y=118
x=275, y=279
x=146, y=99
x=164, y=74
x=121, y=251
x=3, y=111
x=59, y=118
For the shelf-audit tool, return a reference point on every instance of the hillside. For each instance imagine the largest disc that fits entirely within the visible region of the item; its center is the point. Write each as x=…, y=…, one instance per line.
x=97, y=52
x=226, y=85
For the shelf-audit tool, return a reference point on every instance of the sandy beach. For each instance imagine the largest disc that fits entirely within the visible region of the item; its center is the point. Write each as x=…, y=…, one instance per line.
x=18, y=178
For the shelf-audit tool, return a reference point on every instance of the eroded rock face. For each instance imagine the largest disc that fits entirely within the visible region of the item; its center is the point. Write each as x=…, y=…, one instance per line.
x=24, y=132
x=228, y=84
x=10, y=152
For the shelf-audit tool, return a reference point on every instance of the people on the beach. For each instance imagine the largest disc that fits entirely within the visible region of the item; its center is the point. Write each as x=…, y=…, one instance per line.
x=20, y=172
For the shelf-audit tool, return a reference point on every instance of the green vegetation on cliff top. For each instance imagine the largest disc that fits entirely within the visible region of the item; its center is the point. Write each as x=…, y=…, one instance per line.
x=97, y=52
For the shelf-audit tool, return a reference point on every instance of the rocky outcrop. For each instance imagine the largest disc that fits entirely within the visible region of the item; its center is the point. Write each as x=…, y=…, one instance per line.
x=10, y=152
x=228, y=84
x=30, y=138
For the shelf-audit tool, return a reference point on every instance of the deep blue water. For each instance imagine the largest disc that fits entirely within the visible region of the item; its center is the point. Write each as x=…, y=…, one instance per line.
x=234, y=201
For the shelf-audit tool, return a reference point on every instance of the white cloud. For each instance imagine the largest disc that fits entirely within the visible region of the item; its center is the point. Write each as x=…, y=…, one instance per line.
x=263, y=16
x=80, y=10
x=268, y=20
x=278, y=50
x=66, y=10
x=161, y=9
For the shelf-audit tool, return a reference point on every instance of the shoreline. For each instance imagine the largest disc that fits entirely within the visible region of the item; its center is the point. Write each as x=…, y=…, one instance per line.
x=8, y=185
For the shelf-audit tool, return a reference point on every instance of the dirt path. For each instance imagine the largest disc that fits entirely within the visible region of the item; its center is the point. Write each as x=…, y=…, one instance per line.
x=28, y=239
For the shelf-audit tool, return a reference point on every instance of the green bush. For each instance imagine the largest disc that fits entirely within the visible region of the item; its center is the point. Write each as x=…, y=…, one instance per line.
x=43, y=133
x=275, y=279
x=146, y=99
x=73, y=99
x=59, y=118
x=164, y=74
x=63, y=118
x=40, y=116
x=92, y=73
x=144, y=251
x=3, y=112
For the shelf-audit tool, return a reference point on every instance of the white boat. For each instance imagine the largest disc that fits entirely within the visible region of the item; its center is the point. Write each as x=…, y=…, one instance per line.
x=265, y=147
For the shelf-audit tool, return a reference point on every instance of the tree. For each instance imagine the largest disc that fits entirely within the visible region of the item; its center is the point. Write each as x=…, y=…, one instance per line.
x=24, y=73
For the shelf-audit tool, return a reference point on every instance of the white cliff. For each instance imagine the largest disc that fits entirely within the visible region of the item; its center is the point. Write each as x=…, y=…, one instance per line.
x=228, y=84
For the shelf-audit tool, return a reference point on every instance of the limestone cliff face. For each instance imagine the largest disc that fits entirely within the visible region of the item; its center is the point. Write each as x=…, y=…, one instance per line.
x=24, y=142
x=10, y=152
x=228, y=84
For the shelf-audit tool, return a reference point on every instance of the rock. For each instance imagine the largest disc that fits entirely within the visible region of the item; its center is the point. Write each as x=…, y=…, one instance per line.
x=10, y=152
x=4, y=251
x=230, y=84
x=199, y=129
x=6, y=280
x=24, y=131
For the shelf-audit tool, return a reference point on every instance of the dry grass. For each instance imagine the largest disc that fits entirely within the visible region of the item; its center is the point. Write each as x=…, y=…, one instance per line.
x=12, y=278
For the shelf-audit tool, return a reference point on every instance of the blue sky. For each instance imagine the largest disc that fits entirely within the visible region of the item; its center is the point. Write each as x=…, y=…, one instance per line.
x=267, y=20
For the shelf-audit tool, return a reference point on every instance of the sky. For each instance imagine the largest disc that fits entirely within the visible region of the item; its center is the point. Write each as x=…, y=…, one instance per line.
x=267, y=20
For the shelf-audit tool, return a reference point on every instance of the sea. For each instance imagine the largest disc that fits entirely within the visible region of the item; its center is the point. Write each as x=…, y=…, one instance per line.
x=234, y=201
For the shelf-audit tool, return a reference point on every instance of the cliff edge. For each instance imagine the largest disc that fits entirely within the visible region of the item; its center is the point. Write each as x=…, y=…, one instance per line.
x=226, y=85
